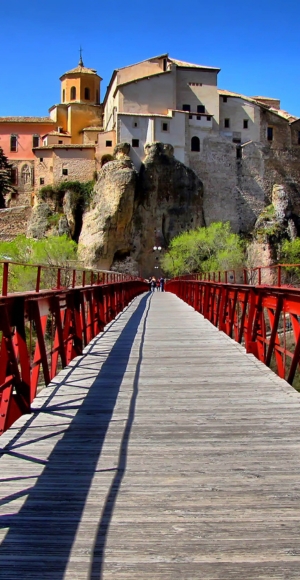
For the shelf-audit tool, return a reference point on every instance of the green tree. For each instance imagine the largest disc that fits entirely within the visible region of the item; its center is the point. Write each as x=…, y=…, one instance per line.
x=6, y=186
x=290, y=254
x=52, y=251
x=204, y=250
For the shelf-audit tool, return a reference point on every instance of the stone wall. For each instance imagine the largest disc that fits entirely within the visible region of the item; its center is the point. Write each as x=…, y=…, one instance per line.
x=13, y=222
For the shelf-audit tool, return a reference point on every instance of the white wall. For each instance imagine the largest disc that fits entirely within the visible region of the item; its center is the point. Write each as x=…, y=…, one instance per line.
x=237, y=109
x=190, y=92
x=151, y=95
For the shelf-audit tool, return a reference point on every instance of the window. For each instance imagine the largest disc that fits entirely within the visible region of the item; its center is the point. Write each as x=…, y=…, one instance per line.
x=41, y=159
x=64, y=96
x=198, y=118
x=35, y=141
x=135, y=142
x=87, y=94
x=239, y=152
x=245, y=124
x=13, y=143
x=60, y=142
x=25, y=174
x=270, y=133
x=108, y=143
x=200, y=109
x=195, y=144
x=42, y=180
x=73, y=93
x=65, y=171
x=190, y=116
x=135, y=124
x=226, y=123
x=165, y=127
x=186, y=107
x=208, y=118
x=224, y=99
x=14, y=176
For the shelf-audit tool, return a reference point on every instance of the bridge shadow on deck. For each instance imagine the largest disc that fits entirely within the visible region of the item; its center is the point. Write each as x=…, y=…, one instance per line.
x=40, y=537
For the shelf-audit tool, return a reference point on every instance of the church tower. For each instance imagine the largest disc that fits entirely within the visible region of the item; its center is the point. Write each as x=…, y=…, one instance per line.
x=80, y=108
x=80, y=85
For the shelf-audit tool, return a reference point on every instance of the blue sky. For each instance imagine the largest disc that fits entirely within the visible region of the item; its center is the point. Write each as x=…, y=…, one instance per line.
x=254, y=42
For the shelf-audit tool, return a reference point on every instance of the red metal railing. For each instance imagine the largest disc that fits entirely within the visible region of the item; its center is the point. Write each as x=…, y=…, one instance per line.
x=41, y=332
x=18, y=277
x=265, y=319
x=276, y=275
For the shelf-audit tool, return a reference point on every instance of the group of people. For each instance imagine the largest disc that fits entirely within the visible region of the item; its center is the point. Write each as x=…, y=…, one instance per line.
x=158, y=284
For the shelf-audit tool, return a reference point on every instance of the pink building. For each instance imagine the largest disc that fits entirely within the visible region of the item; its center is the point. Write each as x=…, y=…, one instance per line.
x=18, y=136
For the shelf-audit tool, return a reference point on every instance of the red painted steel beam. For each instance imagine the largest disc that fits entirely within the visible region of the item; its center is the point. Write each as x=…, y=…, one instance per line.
x=45, y=330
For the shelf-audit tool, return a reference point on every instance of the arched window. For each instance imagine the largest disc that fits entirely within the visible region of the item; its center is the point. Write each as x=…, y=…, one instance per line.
x=195, y=144
x=73, y=93
x=64, y=96
x=87, y=94
x=25, y=174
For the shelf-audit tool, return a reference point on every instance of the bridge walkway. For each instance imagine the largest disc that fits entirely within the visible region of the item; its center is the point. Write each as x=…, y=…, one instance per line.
x=164, y=452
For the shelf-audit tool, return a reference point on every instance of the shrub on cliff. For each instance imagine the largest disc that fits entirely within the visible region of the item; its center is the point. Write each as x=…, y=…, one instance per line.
x=204, y=250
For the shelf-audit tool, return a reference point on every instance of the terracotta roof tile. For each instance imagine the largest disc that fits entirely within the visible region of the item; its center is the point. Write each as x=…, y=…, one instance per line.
x=26, y=120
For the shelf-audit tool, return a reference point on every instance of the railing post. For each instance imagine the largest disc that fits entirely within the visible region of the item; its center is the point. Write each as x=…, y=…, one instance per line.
x=245, y=276
x=58, y=279
x=279, y=275
x=38, y=279
x=5, y=279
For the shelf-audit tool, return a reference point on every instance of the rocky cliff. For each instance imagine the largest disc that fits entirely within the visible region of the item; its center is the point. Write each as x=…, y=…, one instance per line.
x=130, y=213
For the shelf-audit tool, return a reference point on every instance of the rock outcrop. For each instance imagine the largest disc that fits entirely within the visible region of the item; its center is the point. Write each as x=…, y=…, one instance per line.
x=107, y=225
x=130, y=214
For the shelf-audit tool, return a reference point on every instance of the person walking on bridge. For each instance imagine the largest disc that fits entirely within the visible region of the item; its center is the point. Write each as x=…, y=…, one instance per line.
x=153, y=284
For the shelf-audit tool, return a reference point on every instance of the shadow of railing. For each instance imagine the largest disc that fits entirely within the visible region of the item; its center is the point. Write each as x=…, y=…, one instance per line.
x=41, y=535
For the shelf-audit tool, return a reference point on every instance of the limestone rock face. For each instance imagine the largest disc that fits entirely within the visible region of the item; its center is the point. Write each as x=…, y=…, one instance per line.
x=38, y=222
x=169, y=201
x=129, y=215
x=106, y=227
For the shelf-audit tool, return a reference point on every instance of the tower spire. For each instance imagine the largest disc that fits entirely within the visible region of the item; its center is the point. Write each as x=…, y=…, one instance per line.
x=80, y=57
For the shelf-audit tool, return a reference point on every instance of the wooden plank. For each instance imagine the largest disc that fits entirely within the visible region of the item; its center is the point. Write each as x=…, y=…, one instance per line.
x=164, y=452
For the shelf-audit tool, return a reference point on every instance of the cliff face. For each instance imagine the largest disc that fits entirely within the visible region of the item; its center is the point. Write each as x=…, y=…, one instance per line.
x=131, y=214
x=106, y=226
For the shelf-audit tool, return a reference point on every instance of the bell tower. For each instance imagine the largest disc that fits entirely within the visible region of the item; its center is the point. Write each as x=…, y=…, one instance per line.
x=80, y=85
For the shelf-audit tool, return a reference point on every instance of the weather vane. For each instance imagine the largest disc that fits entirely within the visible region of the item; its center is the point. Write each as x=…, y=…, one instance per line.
x=80, y=57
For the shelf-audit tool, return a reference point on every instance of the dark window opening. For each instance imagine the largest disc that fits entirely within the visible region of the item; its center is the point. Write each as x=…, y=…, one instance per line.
x=14, y=176
x=208, y=118
x=60, y=142
x=245, y=124
x=239, y=153
x=135, y=124
x=186, y=107
x=195, y=144
x=224, y=99
x=64, y=96
x=198, y=118
x=108, y=143
x=42, y=181
x=35, y=141
x=165, y=126
x=270, y=133
x=200, y=109
x=190, y=116
x=65, y=171
x=13, y=143
x=236, y=140
x=73, y=93
x=41, y=159
x=87, y=94
x=135, y=142
x=226, y=123
x=165, y=62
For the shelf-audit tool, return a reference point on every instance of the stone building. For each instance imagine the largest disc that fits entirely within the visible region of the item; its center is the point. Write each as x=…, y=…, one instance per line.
x=238, y=146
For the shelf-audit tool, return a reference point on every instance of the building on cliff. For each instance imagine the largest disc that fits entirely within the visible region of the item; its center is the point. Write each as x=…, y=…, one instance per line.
x=238, y=146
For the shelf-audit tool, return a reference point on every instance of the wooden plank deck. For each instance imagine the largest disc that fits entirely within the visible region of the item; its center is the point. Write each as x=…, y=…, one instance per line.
x=165, y=452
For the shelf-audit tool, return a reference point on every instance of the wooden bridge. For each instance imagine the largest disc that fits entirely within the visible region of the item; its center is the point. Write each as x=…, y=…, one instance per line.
x=162, y=452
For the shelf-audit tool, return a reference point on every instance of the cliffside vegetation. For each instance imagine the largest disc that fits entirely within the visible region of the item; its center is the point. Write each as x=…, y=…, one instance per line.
x=81, y=193
x=51, y=251
x=204, y=249
x=6, y=186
